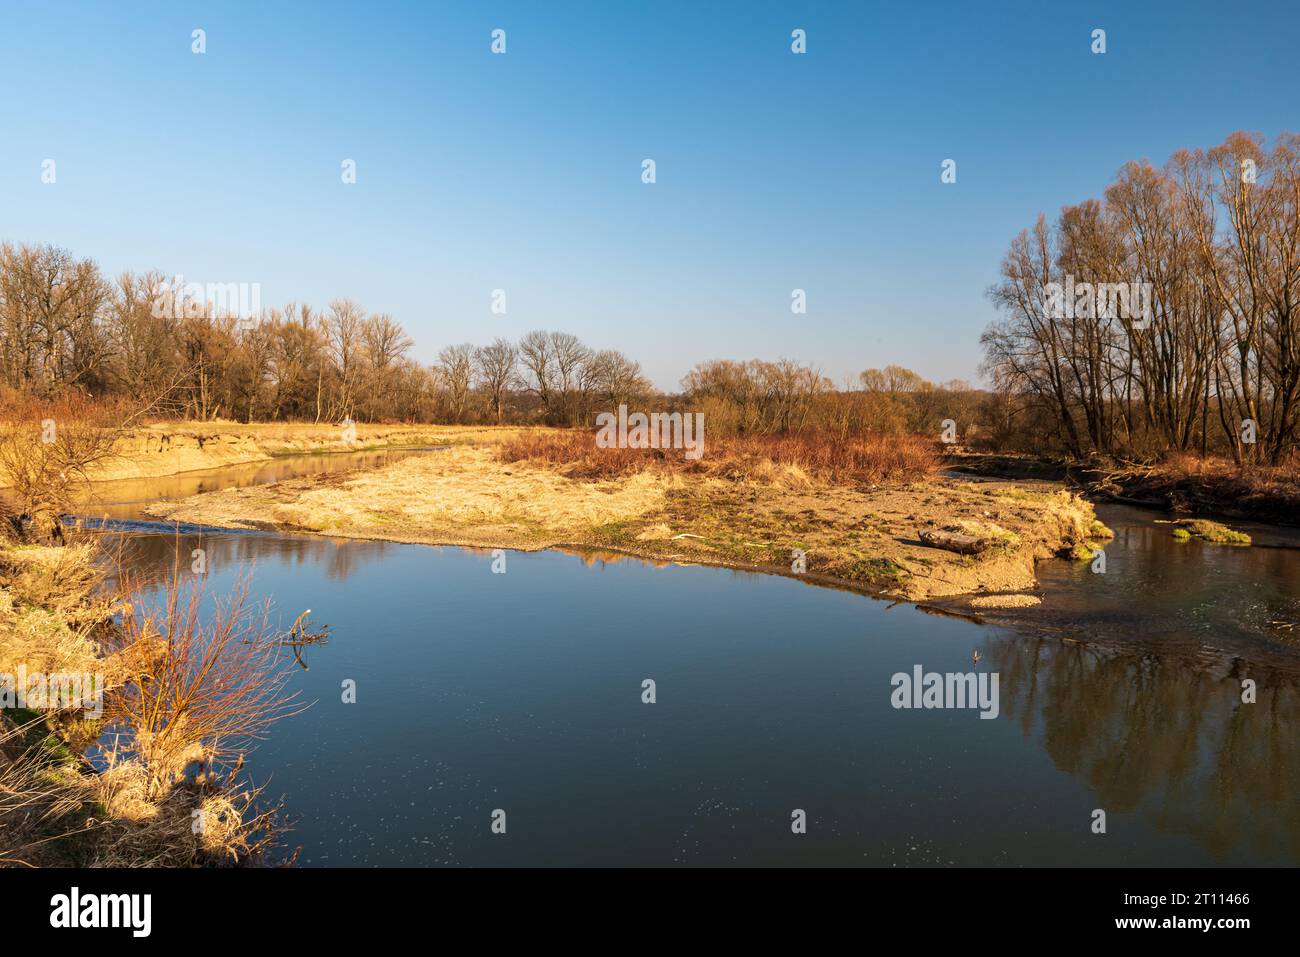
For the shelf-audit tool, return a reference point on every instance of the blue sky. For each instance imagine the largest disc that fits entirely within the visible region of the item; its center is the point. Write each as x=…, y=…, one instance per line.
x=523, y=171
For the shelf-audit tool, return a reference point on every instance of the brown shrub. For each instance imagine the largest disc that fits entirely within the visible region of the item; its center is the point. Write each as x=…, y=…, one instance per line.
x=576, y=454
x=213, y=681
x=47, y=449
x=866, y=459
x=1185, y=482
x=187, y=688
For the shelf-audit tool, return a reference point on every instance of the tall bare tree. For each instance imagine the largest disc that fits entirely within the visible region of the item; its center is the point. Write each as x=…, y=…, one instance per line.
x=497, y=367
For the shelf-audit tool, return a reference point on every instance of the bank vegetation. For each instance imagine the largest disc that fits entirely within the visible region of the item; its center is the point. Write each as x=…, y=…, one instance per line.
x=126, y=706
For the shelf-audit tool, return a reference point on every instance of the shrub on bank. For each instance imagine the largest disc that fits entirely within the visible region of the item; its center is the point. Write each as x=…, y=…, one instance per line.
x=866, y=459
x=152, y=775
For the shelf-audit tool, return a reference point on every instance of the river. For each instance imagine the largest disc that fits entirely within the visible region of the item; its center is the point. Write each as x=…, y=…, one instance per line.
x=522, y=692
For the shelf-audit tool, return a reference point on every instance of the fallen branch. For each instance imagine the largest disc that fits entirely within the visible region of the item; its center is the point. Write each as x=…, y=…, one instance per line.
x=955, y=542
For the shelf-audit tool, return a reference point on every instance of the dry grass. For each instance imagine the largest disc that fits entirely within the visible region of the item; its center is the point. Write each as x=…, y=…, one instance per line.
x=170, y=448
x=53, y=614
x=1215, y=485
x=42, y=799
x=185, y=692
x=467, y=493
x=1223, y=471
x=308, y=436
x=162, y=448
x=863, y=460
x=741, y=508
x=53, y=813
x=546, y=488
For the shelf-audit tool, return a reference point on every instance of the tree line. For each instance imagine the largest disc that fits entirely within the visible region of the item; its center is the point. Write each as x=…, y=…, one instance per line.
x=1212, y=361
x=64, y=328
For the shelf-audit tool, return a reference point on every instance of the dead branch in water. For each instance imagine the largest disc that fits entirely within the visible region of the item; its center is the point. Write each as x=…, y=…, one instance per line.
x=298, y=636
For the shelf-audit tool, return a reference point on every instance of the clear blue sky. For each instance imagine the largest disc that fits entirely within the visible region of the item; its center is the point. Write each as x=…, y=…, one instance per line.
x=522, y=171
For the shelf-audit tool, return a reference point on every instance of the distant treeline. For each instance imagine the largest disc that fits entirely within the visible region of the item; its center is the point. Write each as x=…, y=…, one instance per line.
x=1164, y=317
x=65, y=327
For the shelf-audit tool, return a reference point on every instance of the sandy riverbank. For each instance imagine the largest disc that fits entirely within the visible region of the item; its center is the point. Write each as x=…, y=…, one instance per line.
x=171, y=448
x=866, y=538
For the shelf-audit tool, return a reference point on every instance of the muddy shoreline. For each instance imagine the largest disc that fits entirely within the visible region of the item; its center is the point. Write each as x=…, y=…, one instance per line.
x=1221, y=495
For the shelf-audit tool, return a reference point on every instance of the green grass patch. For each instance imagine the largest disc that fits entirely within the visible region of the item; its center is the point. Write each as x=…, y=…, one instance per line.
x=877, y=571
x=1214, y=532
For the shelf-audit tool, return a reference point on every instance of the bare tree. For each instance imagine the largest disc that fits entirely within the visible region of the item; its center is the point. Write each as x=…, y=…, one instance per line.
x=343, y=325
x=385, y=343
x=51, y=307
x=1214, y=242
x=456, y=372
x=143, y=333
x=538, y=360
x=497, y=368
x=614, y=379
x=569, y=355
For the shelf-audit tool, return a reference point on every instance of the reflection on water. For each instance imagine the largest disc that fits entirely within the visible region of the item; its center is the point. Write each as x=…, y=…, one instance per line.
x=522, y=692
x=1173, y=744
x=150, y=557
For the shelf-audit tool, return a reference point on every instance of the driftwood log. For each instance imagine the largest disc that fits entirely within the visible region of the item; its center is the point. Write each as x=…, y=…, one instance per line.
x=955, y=541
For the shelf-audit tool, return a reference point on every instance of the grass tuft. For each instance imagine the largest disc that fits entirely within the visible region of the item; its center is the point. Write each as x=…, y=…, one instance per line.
x=1208, y=531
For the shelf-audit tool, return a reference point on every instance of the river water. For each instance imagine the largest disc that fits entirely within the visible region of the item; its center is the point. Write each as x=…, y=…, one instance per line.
x=522, y=693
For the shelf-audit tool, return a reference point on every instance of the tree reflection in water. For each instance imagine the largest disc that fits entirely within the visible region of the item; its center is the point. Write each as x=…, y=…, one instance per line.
x=1165, y=736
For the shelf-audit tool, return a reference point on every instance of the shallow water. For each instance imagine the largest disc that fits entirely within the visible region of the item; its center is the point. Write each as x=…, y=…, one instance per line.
x=1187, y=598
x=522, y=692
